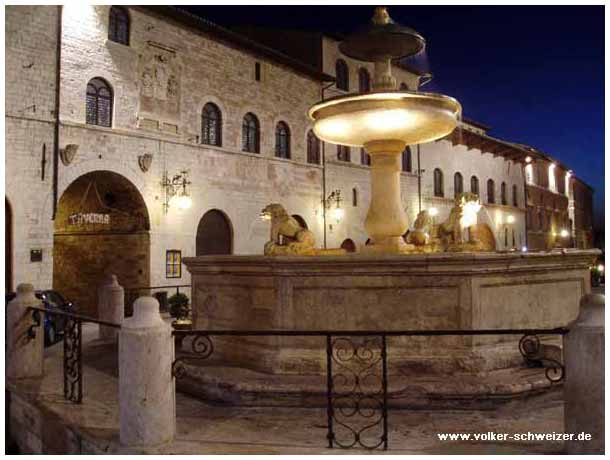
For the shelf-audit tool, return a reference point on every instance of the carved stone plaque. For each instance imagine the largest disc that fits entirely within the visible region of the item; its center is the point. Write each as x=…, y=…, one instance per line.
x=159, y=85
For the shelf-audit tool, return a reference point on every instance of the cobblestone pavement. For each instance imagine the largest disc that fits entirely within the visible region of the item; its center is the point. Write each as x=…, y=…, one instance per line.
x=208, y=429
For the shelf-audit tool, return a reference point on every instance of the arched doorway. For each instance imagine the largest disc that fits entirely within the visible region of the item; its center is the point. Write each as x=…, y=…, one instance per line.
x=102, y=226
x=214, y=234
x=348, y=245
x=8, y=246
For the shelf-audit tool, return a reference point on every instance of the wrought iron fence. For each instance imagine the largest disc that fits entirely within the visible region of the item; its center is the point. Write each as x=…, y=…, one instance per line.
x=73, y=346
x=357, y=373
x=161, y=293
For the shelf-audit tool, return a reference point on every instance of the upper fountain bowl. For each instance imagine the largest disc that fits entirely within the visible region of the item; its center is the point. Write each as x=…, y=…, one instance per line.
x=409, y=117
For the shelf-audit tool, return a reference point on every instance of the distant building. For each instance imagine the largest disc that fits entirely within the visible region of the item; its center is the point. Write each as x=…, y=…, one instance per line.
x=103, y=103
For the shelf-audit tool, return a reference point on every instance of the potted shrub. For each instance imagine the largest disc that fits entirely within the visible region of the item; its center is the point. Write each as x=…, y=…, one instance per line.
x=179, y=306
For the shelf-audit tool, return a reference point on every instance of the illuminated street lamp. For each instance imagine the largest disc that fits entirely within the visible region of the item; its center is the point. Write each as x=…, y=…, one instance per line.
x=337, y=212
x=176, y=191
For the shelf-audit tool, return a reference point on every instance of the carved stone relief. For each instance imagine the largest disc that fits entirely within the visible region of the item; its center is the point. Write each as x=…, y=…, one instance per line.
x=159, y=82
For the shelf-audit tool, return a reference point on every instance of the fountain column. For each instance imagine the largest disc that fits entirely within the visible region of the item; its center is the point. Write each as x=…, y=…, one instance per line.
x=386, y=220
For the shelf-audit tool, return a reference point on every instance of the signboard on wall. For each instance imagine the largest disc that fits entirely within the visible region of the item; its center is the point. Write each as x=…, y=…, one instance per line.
x=89, y=218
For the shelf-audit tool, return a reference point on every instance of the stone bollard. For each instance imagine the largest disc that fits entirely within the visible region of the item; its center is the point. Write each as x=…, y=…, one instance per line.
x=583, y=349
x=24, y=355
x=111, y=306
x=147, y=396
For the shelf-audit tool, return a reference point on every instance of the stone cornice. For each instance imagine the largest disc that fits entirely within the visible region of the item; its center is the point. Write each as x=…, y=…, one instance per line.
x=430, y=265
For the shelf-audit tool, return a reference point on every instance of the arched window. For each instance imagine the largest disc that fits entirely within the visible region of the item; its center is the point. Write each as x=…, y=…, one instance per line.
x=343, y=153
x=99, y=103
x=491, y=192
x=364, y=80
x=342, y=75
x=503, y=198
x=458, y=183
x=250, y=134
x=313, y=148
x=404, y=87
x=365, y=158
x=438, y=183
x=118, y=25
x=354, y=197
x=211, y=125
x=474, y=185
x=515, y=198
x=282, y=140
x=407, y=164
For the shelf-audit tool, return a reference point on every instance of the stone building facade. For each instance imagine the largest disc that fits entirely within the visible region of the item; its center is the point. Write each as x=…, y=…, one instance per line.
x=83, y=198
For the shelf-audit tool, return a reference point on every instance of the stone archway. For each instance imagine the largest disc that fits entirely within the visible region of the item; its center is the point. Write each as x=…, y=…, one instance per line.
x=8, y=246
x=102, y=225
x=301, y=221
x=349, y=245
x=214, y=234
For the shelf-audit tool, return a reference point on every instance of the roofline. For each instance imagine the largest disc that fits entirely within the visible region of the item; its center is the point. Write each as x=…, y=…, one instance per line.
x=234, y=38
x=476, y=123
x=583, y=183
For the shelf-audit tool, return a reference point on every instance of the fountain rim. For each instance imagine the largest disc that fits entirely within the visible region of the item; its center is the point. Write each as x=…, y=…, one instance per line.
x=374, y=95
x=468, y=257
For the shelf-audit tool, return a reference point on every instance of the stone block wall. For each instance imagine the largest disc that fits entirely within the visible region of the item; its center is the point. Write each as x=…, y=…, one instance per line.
x=30, y=62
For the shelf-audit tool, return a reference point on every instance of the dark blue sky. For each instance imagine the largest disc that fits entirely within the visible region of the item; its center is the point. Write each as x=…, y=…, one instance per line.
x=535, y=74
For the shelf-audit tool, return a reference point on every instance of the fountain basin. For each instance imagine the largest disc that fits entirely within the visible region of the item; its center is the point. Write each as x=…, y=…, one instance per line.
x=385, y=292
x=410, y=117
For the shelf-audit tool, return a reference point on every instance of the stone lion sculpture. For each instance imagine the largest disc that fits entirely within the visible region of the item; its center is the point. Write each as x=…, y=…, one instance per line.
x=420, y=235
x=287, y=235
x=451, y=231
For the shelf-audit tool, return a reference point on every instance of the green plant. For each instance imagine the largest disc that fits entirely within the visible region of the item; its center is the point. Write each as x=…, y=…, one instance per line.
x=178, y=305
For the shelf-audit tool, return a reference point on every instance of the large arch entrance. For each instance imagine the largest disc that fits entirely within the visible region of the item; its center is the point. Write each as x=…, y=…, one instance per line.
x=102, y=225
x=8, y=246
x=214, y=234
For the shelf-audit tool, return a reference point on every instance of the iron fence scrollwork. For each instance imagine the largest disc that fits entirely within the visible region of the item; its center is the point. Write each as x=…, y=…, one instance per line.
x=357, y=392
x=548, y=356
x=71, y=328
x=201, y=348
x=73, y=360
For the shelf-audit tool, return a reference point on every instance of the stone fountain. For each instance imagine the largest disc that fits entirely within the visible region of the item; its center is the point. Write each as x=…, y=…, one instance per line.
x=442, y=277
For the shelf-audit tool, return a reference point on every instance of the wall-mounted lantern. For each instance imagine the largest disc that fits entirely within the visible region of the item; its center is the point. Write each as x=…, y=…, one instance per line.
x=176, y=191
x=333, y=202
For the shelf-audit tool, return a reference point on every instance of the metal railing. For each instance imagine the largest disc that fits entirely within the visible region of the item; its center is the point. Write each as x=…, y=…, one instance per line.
x=72, y=328
x=159, y=292
x=357, y=373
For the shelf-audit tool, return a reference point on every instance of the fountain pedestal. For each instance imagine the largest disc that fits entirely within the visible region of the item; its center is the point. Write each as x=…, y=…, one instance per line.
x=386, y=220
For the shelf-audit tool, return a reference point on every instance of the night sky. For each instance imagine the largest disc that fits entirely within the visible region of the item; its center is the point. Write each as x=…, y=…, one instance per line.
x=534, y=74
